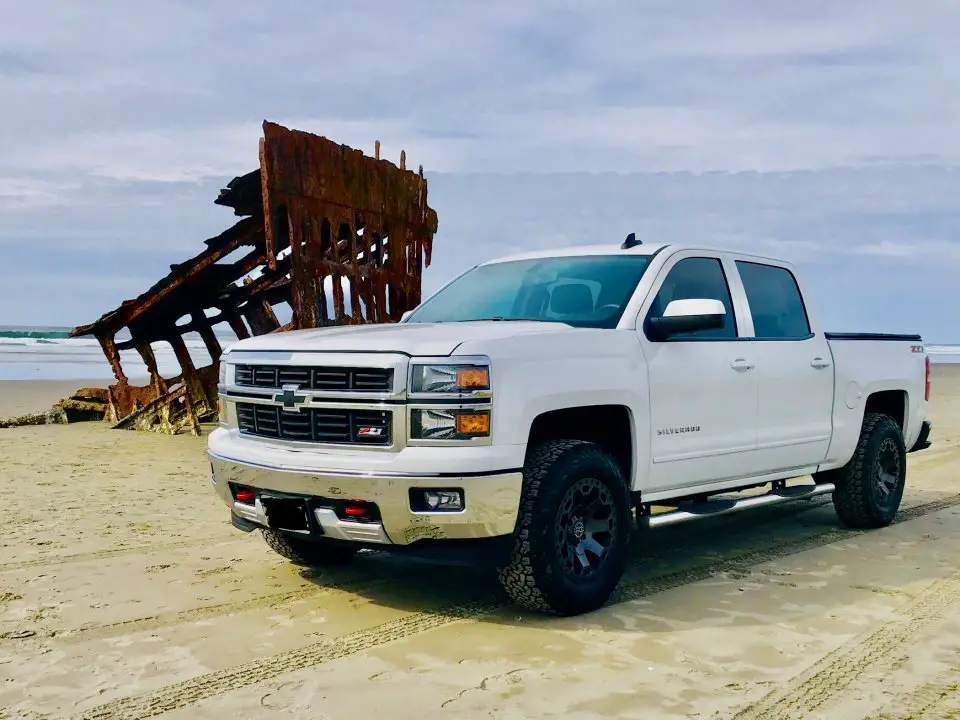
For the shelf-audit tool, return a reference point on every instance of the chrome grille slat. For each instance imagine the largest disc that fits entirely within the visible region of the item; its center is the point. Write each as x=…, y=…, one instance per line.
x=329, y=379
x=331, y=425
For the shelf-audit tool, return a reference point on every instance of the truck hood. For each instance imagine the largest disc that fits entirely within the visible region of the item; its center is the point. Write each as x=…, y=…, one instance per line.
x=414, y=339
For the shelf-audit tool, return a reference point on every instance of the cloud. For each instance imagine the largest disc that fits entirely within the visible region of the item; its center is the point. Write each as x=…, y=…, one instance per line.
x=923, y=251
x=177, y=92
x=820, y=131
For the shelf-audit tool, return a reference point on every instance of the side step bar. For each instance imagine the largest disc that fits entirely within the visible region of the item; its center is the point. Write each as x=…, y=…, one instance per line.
x=687, y=512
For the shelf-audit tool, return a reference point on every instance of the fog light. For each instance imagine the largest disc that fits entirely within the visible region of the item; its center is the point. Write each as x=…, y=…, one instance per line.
x=441, y=500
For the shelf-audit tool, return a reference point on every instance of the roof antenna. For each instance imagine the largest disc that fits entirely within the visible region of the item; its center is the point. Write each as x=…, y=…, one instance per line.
x=630, y=242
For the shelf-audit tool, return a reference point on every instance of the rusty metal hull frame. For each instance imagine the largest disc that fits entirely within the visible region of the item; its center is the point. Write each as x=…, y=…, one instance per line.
x=339, y=236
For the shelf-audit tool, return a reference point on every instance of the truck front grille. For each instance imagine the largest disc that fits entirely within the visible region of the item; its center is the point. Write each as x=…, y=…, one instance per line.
x=316, y=378
x=320, y=425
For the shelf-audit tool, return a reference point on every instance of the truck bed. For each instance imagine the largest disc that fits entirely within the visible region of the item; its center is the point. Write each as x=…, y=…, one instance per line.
x=883, y=370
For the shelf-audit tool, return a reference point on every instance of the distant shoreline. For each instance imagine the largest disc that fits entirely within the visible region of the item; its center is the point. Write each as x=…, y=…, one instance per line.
x=63, y=333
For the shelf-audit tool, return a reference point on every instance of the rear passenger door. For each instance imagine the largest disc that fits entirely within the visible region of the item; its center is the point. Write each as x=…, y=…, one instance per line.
x=794, y=370
x=703, y=385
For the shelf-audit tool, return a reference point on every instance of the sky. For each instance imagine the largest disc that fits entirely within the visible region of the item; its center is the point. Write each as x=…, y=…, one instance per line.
x=827, y=133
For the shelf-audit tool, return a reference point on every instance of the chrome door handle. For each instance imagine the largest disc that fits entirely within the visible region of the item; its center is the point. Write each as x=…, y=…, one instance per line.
x=819, y=363
x=741, y=364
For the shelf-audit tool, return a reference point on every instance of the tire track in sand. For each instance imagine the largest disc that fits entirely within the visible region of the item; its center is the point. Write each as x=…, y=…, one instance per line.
x=839, y=669
x=926, y=700
x=167, y=619
x=49, y=560
x=359, y=578
x=194, y=690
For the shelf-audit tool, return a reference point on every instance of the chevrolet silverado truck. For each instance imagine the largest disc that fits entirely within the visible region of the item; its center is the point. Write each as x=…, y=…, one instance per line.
x=536, y=409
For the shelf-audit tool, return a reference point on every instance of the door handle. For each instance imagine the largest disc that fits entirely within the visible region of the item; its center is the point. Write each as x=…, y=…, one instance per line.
x=819, y=363
x=741, y=364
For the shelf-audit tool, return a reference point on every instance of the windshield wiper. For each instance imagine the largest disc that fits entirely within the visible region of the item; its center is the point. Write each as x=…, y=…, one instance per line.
x=499, y=318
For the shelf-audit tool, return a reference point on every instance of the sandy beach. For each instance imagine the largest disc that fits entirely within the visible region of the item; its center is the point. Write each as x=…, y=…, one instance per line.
x=126, y=593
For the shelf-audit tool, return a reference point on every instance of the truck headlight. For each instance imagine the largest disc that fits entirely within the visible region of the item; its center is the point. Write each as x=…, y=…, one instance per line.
x=223, y=372
x=443, y=424
x=450, y=378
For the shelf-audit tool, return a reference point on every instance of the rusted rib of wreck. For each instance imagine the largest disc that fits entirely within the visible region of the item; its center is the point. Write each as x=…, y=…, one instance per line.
x=316, y=218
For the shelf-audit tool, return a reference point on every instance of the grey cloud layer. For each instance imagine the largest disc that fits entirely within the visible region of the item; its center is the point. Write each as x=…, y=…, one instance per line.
x=121, y=120
x=176, y=91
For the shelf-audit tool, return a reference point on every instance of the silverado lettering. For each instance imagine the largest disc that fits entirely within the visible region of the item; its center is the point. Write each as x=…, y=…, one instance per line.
x=679, y=430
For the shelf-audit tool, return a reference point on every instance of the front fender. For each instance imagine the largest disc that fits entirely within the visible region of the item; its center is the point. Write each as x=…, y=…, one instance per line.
x=526, y=391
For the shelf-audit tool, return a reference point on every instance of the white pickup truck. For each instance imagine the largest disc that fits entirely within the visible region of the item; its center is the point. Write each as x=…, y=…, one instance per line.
x=536, y=408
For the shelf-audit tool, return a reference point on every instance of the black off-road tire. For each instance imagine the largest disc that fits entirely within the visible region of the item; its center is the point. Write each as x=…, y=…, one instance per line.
x=870, y=486
x=305, y=552
x=535, y=577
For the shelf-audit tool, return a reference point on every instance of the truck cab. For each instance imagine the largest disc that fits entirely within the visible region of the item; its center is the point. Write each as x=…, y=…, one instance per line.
x=534, y=409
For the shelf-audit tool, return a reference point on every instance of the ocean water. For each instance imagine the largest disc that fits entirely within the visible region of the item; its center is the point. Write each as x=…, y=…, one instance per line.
x=48, y=354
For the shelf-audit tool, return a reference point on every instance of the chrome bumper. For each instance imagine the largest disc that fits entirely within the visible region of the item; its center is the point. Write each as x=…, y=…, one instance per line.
x=491, y=502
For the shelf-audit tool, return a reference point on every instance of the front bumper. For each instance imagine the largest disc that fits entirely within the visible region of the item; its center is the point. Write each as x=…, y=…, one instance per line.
x=491, y=501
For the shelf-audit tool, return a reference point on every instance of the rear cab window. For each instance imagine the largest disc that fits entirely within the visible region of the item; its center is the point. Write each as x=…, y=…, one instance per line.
x=776, y=304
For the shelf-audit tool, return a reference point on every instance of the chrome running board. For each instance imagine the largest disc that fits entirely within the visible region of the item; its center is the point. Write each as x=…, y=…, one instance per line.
x=688, y=512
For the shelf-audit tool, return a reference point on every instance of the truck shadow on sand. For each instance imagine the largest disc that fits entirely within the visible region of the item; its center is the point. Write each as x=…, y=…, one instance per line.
x=730, y=556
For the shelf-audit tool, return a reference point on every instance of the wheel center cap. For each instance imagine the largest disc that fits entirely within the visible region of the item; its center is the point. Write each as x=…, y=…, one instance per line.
x=579, y=529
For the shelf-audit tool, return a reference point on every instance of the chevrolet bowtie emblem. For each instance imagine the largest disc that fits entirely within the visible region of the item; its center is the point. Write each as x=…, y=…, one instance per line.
x=289, y=398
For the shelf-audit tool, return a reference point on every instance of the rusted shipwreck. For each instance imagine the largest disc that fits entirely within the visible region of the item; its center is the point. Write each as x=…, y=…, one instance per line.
x=339, y=236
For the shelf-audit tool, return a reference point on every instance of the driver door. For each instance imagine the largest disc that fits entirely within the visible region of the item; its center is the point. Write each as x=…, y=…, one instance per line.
x=703, y=384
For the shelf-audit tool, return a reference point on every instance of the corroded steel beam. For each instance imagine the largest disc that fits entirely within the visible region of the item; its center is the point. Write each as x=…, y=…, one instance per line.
x=318, y=216
x=348, y=217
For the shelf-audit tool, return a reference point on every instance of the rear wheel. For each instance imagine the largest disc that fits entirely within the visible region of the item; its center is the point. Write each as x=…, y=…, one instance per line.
x=573, y=530
x=870, y=486
x=305, y=552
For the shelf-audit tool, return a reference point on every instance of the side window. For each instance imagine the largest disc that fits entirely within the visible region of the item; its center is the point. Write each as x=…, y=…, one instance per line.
x=775, y=302
x=700, y=279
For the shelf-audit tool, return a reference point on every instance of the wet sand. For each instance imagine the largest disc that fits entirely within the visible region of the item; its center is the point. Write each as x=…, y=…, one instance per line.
x=125, y=593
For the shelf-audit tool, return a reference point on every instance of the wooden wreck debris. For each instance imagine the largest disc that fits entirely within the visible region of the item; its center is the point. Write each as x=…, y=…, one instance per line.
x=85, y=404
x=316, y=216
x=53, y=416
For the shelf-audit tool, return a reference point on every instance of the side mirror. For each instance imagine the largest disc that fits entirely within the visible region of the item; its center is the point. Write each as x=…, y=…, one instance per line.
x=683, y=316
x=408, y=313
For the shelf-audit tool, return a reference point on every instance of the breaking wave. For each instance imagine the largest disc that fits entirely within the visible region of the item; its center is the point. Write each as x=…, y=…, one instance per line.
x=35, y=334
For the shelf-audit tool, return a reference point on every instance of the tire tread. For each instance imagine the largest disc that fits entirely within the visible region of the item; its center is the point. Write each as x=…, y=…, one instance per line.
x=852, y=498
x=519, y=577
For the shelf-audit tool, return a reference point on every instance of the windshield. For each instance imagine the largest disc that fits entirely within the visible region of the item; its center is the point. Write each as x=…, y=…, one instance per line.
x=584, y=291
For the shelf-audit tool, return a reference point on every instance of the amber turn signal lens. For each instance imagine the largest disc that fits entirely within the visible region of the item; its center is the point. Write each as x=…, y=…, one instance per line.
x=221, y=410
x=473, y=378
x=473, y=424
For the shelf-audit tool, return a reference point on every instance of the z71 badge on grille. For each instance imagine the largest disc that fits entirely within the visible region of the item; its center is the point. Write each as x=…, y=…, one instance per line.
x=369, y=432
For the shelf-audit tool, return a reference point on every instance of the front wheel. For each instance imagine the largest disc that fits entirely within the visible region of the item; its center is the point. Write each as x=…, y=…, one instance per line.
x=305, y=552
x=573, y=530
x=870, y=486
